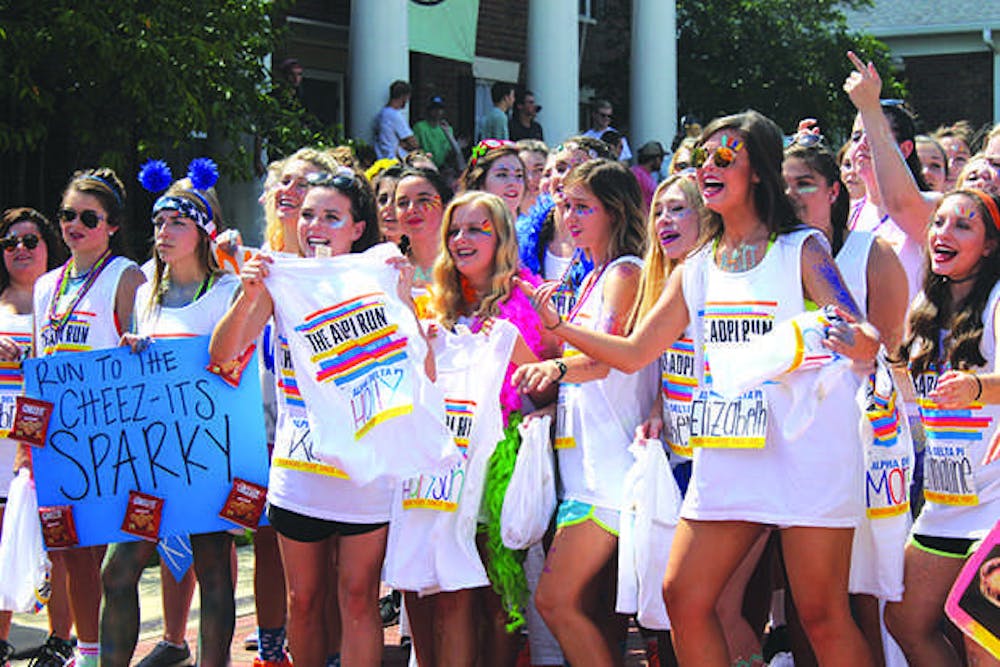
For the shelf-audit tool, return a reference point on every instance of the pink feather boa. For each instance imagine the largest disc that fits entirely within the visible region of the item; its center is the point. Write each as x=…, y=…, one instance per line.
x=517, y=310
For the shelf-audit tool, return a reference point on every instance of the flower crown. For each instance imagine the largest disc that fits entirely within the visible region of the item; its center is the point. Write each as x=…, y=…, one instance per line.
x=485, y=146
x=155, y=176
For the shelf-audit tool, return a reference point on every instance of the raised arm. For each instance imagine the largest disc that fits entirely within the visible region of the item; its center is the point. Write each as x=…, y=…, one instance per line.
x=909, y=207
x=246, y=318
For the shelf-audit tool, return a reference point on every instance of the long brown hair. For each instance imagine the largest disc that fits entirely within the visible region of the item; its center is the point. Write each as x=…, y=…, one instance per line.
x=448, y=301
x=935, y=313
x=618, y=191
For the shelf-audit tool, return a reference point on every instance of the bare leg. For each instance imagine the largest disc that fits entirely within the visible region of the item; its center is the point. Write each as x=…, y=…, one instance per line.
x=83, y=569
x=268, y=579
x=359, y=563
x=713, y=550
x=120, y=616
x=742, y=640
x=307, y=565
x=420, y=611
x=915, y=622
x=177, y=597
x=864, y=608
x=60, y=614
x=213, y=565
x=577, y=556
x=817, y=561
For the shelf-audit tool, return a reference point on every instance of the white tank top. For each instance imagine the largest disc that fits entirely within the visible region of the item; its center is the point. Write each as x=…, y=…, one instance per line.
x=865, y=218
x=195, y=319
x=595, y=421
x=92, y=324
x=962, y=495
x=19, y=328
x=299, y=481
x=744, y=467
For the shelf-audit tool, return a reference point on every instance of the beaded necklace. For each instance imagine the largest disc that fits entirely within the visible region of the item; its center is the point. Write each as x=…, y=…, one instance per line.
x=56, y=321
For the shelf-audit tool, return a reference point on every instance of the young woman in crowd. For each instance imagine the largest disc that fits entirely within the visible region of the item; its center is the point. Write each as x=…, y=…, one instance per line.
x=933, y=163
x=951, y=349
x=317, y=513
x=496, y=167
x=533, y=154
x=187, y=295
x=980, y=174
x=956, y=139
x=384, y=185
x=30, y=247
x=472, y=287
x=740, y=281
x=85, y=305
x=812, y=183
x=849, y=176
x=594, y=425
x=897, y=205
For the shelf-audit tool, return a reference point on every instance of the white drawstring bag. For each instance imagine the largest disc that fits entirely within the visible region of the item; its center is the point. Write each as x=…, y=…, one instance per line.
x=531, y=495
x=24, y=566
x=648, y=521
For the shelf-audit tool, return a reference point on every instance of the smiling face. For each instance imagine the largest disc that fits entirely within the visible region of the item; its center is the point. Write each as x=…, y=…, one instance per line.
x=851, y=179
x=534, y=168
x=505, y=179
x=472, y=241
x=586, y=219
x=956, y=239
x=25, y=265
x=563, y=162
x=291, y=190
x=809, y=192
x=419, y=208
x=80, y=239
x=325, y=221
x=726, y=188
x=677, y=225
x=958, y=156
x=176, y=237
x=385, y=204
x=981, y=174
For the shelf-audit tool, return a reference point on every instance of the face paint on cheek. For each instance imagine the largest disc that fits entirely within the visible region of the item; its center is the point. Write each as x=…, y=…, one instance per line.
x=487, y=227
x=585, y=210
x=963, y=211
x=431, y=204
x=808, y=189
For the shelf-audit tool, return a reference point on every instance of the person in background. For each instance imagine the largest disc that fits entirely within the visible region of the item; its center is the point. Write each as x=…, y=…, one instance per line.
x=646, y=172
x=933, y=162
x=393, y=136
x=600, y=122
x=522, y=124
x=956, y=140
x=493, y=124
x=436, y=138
x=681, y=159
x=533, y=154
x=614, y=139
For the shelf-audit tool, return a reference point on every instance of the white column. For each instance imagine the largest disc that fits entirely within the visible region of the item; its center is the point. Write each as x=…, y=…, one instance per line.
x=379, y=53
x=654, y=72
x=554, y=65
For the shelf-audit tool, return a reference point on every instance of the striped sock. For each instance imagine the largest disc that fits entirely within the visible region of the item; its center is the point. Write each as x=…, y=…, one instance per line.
x=88, y=654
x=271, y=644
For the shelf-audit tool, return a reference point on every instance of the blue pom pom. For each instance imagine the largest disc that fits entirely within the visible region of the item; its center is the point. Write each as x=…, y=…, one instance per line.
x=203, y=173
x=155, y=176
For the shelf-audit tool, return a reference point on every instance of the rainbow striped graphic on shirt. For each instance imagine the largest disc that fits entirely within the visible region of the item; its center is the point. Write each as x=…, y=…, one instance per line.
x=287, y=385
x=678, y=386
x=739, y=309
x=11, y=374
x=964, y=424
x=360, y=339
x=72, y=337
x=458, y=416
x=883, y=414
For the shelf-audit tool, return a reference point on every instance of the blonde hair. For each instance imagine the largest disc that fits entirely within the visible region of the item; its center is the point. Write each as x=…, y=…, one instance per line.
x=274, y=232
x=656, y=266
x=447, y=296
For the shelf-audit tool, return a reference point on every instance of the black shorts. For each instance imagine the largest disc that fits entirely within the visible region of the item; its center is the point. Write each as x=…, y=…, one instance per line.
x=948, y=547
x=303, y=528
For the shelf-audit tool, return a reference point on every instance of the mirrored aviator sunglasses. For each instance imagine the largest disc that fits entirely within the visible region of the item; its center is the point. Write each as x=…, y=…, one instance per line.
x=88, y=217
x=340, y=180
x=722, y=157
x=29, y=241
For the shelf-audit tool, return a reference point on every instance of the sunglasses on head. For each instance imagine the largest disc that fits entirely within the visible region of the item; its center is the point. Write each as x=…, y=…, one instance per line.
x=88, y=217
x=807, y=140
x=341, y=180
x=10, y=243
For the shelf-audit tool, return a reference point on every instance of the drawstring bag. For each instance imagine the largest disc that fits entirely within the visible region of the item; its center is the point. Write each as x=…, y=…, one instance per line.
x=24, y=566
x=531, y=496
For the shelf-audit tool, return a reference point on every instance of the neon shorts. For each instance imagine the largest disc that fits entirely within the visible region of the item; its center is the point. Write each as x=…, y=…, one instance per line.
x=946, y=547
x=572, y=512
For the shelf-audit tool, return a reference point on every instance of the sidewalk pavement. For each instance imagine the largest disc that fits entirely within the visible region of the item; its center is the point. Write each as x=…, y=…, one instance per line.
x=29, y=631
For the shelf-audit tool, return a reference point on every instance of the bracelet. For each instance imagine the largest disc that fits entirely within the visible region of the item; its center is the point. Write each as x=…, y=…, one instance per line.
x=561, y=365
x=556, y=325
x=979, y=387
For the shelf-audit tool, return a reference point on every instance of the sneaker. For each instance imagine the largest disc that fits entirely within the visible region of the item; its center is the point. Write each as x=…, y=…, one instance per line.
x=388, y=609
x=251, y=642
x=165, y=654
x=54, y=652
x=287, y=662
x=6, y=653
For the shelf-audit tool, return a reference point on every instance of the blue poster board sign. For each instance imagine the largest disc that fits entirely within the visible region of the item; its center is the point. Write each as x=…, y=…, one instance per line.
x=155, y=422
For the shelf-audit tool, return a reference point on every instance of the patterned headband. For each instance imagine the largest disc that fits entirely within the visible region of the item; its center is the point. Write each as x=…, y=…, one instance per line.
x=187, y=209
x=485, y=146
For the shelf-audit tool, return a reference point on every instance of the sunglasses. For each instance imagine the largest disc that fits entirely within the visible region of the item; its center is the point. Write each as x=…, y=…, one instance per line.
x=29, y=241
x=340, y=181
x=722, y=157
x=807, y=140
x=88, y=218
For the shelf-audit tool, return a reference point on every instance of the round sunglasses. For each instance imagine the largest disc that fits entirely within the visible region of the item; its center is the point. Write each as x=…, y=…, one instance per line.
x=89, y=218
x=29, y=241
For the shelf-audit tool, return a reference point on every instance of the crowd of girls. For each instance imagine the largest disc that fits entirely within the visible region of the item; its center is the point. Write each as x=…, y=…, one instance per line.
x=617, y=322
